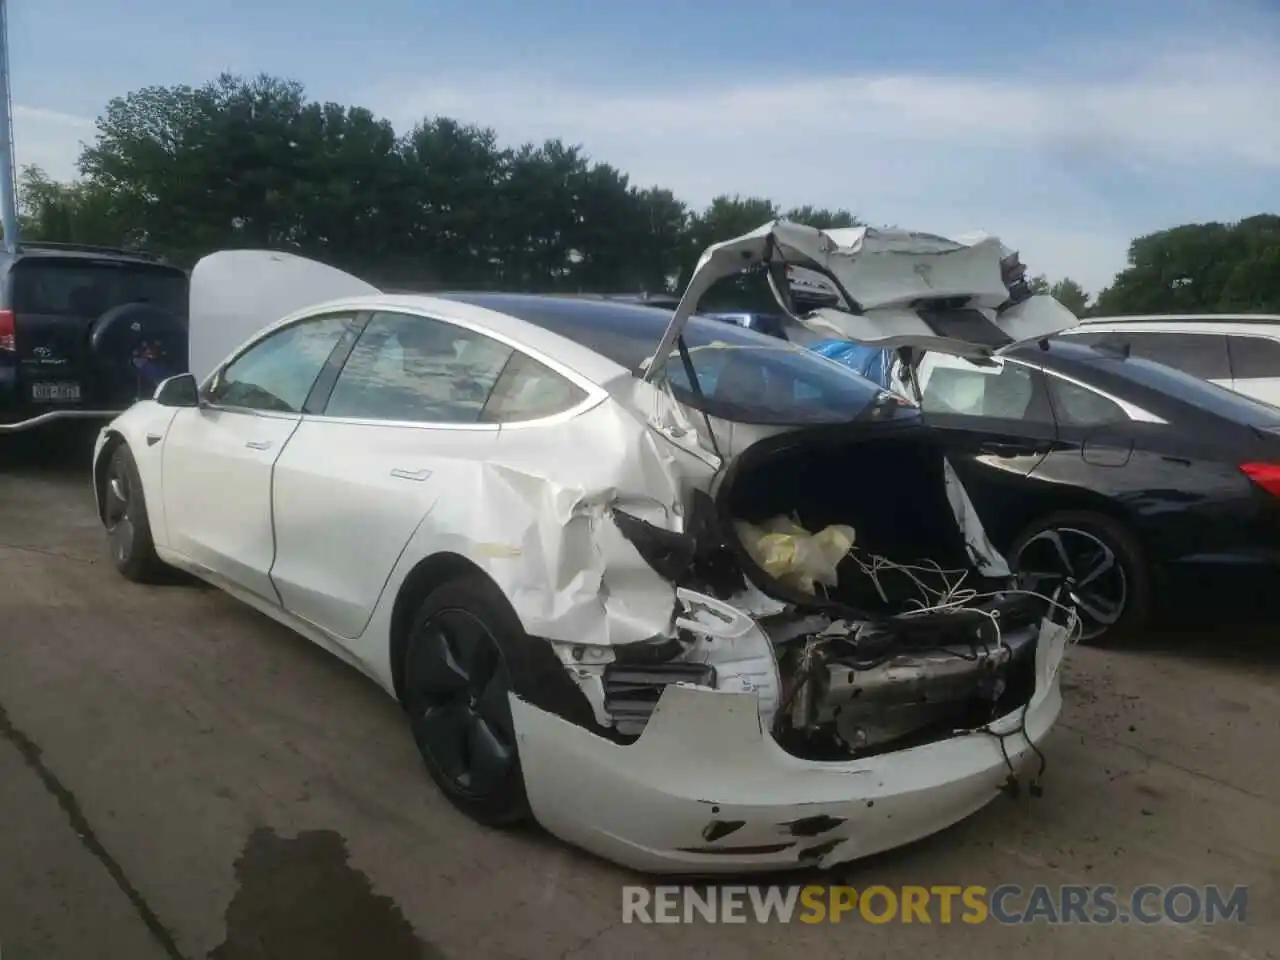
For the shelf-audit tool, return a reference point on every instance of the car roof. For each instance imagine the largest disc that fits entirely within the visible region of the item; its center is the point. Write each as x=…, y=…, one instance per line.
x=502, y=314
x=1137, y=379
x=625, y=333
x=61, y=251
x=1188, y=318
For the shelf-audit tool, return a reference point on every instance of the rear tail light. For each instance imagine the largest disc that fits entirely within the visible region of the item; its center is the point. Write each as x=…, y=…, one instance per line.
x=1265, y=475
x=7, y=329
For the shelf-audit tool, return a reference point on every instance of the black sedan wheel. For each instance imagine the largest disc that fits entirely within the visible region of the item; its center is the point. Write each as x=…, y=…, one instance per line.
x=1097, y=561
x=124, y=514
x=457, y=687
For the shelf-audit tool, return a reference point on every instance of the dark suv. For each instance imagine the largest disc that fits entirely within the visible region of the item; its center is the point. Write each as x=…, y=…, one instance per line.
x=85, y=331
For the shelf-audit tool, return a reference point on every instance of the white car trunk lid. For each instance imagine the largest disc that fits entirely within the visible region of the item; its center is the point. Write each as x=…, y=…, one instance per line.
x=891, y=288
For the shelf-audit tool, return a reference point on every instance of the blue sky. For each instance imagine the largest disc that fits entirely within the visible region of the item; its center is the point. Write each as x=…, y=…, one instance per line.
x=1066, y=128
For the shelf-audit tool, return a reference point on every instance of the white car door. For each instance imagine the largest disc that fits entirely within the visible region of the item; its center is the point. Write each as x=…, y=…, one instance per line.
x=399, y=436
x=218, y=458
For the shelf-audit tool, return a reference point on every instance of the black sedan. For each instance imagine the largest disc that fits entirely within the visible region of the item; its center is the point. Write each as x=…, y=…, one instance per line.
x=1152, y=492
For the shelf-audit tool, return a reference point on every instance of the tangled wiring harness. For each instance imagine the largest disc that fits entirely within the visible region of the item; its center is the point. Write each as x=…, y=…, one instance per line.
x=938, y=602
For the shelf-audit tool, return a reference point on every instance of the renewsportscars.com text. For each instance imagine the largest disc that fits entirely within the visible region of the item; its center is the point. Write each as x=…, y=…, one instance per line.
x=941, y=904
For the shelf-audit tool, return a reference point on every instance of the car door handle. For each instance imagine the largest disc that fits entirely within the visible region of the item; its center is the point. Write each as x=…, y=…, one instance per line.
x=419, y=475
x=1003, y=449
x=258, y=444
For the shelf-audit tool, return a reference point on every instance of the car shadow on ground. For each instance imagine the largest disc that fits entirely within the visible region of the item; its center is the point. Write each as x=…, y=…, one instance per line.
x=1256, y=645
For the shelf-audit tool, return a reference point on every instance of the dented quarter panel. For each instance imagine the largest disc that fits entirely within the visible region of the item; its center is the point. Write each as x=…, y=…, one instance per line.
x=539, y=526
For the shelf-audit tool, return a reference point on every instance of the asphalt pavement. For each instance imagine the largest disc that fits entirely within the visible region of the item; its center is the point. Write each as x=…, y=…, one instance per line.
x=182, y=778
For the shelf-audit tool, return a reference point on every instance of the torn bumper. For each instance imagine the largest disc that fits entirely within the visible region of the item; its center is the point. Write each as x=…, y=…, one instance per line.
x=707, y=790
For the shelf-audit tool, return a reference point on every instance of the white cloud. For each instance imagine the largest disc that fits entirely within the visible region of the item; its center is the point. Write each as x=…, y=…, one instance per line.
x=1064, y=163
x=50, y=139
x=1020, y=153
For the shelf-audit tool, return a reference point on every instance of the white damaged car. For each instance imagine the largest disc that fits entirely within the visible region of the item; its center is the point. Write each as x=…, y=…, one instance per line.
x=693, y=598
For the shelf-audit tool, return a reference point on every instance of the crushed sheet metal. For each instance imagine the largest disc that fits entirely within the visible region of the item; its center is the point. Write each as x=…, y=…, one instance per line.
x=886, y=272
x=577, y=576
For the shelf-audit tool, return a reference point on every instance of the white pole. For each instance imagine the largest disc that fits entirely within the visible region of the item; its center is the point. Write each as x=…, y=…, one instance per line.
x=8, y=183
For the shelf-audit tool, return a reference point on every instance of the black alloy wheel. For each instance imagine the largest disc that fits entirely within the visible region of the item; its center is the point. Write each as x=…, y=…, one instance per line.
x=1097, y=562
x=457, y=688
x=124, y=514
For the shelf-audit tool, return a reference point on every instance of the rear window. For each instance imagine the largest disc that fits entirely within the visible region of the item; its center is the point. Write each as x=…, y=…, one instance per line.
x=89, y=288
x=1192, y=390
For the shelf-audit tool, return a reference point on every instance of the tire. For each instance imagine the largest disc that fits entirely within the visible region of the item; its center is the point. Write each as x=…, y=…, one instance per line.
x=457, y=678
x=1119, y=587
x=124, y=514
x=134, y=347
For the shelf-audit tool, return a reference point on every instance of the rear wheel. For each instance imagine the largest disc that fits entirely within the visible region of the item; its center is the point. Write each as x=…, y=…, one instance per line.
x=1099, y=562
x=124, y=514
x=457, y=685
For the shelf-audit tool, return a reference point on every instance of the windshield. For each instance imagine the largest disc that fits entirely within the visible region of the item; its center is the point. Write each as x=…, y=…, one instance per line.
x=1202, y=394
x=54, y=286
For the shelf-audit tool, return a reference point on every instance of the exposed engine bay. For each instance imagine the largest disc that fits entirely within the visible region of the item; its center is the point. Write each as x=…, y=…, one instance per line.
x=841, y=592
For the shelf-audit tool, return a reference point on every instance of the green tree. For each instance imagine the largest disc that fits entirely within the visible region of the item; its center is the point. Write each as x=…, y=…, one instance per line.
x=246, y=163
x=662, y=232
x=64, y=212
x=822, y=218
x=252, y=162
x=1071, y=295
x=447, y=218
x=1200, y=268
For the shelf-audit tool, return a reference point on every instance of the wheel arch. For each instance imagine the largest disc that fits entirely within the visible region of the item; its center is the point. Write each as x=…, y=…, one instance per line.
x=537, y=673
x=1081, y=500
x=427, y=574
x=1039, y=497
x=113, y=442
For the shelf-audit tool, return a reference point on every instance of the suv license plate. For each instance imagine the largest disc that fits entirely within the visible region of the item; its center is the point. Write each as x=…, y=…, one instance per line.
x=55, y=391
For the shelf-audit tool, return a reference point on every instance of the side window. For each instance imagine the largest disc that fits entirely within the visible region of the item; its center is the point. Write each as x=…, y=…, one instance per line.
x=277, y=373
x=1077, y=406
x=529, y=390
x=1008, y=391
x=1253, y=358
x=1202, y=355
x=413, y=369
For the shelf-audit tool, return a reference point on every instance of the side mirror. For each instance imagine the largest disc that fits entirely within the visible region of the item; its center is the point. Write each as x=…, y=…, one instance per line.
x=179, y=391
